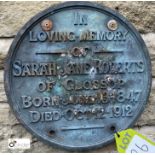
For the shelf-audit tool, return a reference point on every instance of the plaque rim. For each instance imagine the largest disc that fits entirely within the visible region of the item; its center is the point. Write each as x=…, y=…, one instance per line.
x=41, y=15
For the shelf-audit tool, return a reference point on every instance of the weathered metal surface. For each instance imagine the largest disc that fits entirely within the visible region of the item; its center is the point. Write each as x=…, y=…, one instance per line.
x=76, y=73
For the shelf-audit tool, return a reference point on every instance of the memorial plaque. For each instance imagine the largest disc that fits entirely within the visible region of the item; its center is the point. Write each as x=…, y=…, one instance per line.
x=77, y=73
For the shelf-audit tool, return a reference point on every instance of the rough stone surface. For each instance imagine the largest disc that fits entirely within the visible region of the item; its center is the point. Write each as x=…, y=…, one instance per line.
x=149, y=41
x=2, y=92
x=148, y=116
x=140, y=14
x=4, y=47
x=13, y=15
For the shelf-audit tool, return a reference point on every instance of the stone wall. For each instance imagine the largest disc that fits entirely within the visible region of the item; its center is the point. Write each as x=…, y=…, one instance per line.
x=13, y=15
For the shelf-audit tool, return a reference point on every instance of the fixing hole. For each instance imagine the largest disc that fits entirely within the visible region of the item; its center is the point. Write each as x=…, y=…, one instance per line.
x=113, y=129
x=112, y=25
x=51, y=133
x=46, y=25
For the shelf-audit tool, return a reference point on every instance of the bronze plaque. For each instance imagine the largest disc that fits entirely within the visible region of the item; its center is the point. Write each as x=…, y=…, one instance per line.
x=76, y=73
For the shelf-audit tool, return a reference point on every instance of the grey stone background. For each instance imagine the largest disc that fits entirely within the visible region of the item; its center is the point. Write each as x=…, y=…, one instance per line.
x=13, y=15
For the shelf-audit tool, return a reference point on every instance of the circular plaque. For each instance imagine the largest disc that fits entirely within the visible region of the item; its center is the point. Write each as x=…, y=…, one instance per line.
x=76, y=74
